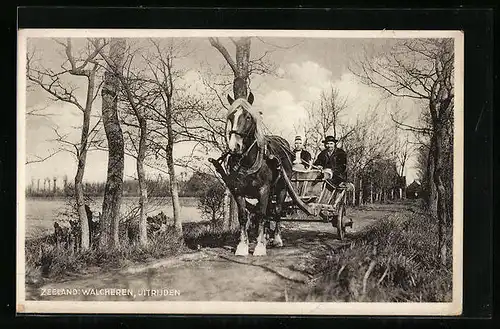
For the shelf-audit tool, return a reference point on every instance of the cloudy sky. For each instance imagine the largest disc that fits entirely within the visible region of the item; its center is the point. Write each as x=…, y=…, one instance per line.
x=304, y=67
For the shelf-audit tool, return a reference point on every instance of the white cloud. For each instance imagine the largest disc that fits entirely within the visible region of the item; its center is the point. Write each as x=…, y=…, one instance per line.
x=309, y=73
x=281, y=111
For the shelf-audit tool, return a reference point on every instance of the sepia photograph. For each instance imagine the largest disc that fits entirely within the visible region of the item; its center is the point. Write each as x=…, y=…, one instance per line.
x=240, y=172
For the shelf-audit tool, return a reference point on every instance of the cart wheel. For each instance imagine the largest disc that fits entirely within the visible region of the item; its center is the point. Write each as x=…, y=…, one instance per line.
x=340, y=225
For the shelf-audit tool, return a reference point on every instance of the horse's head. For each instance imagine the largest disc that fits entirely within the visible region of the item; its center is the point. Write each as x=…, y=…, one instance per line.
x=242, y=125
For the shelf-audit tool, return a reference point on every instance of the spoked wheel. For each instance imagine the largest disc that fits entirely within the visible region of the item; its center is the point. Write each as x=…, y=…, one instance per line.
x=340, y=224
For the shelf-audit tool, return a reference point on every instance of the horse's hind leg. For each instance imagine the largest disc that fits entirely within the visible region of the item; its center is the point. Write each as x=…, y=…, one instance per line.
x=280, y=199
x=242, y=248
x=260, y=248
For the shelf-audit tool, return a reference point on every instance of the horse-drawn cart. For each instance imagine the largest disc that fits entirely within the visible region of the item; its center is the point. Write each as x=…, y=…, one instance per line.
x=312, y=192
x=319, y=200
x=259, y=166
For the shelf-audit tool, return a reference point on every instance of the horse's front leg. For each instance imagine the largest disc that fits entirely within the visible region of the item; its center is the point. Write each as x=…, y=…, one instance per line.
x=242, y=248
x=260, y=248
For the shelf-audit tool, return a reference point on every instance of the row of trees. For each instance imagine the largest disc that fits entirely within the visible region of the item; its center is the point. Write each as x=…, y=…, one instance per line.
x=159, y=187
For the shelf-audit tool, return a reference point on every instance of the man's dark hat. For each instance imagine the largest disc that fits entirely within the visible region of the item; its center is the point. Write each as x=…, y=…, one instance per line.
x=330, y=139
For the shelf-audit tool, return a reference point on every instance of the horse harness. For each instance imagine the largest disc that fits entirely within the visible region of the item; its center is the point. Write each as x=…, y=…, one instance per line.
x=238, y=172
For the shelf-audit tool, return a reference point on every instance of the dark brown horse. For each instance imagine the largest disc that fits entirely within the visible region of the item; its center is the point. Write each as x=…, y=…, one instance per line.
x=253, y=171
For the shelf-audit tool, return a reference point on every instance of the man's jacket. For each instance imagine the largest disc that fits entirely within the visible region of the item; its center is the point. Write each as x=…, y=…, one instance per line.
x=336, y=161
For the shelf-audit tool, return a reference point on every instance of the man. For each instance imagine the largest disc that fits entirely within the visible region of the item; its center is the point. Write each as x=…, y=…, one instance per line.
x=334, y=159
x=302, y=157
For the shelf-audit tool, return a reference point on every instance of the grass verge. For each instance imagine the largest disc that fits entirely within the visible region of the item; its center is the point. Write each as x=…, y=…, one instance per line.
x=393, y=261
x=47, y=262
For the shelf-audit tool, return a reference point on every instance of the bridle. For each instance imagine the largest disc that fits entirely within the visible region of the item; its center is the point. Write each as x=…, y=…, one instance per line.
x=244, y=135
x=258, y=162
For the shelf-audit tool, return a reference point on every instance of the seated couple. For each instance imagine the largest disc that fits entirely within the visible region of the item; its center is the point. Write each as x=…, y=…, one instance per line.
x=332, y=160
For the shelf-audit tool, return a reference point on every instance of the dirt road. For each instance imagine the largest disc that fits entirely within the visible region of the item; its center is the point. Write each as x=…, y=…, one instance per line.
x=215, y=273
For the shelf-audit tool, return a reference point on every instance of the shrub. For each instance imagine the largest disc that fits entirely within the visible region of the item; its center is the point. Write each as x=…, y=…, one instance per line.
x=211, y=205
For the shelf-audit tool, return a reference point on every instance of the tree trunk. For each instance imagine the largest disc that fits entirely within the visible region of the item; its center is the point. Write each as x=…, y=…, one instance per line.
x=174, y=192
x=82, y=159
x=431, y=186
x=79, y=198
x=233, y=218
x=141, y=176
x=361, y=201
x=354, y=190
x=442, y=215
x=371, y=191
x=114, y=183
x=226, y=209
x=242, y=63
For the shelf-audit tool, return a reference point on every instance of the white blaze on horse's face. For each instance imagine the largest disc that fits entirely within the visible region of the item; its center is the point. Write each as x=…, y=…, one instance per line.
x=235, y=140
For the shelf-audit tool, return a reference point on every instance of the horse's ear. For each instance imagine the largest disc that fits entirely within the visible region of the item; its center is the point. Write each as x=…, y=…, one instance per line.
x=250, y=98
x=230, y=100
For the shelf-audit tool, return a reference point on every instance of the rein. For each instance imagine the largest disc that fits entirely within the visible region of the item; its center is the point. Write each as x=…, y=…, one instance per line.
x=255, y=166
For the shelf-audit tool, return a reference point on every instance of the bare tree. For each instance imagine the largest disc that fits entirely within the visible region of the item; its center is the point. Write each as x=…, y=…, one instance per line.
x=52, y=82
x=422, y=69
x=109, y=237
x=325, y=118
x=167, y=111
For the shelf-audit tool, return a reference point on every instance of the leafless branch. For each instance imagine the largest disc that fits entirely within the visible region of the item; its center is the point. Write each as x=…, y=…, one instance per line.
x=217, y=45
x=38, y=159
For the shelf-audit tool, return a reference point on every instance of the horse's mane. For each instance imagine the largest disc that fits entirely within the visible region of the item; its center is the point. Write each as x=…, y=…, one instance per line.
x=279, y=147
x=259, y=126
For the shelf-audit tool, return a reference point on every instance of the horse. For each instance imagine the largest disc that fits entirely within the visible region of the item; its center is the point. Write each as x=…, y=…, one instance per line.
x=253, y=171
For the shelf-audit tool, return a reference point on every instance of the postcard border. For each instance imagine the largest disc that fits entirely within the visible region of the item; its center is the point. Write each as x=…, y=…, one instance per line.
x=448, y=309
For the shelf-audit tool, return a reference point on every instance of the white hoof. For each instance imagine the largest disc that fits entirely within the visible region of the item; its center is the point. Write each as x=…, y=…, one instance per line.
x=242, y=249
x=260, y=249
x=277, y=242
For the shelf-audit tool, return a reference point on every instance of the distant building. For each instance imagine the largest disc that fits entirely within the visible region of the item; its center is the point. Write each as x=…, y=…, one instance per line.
x=414, y=190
